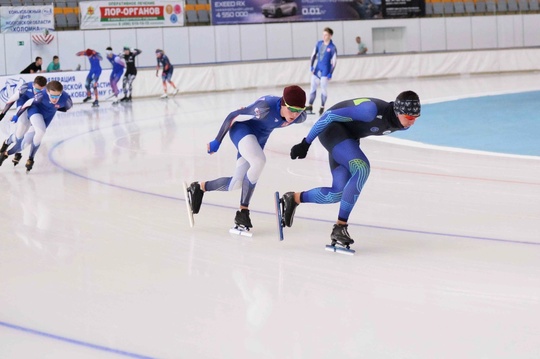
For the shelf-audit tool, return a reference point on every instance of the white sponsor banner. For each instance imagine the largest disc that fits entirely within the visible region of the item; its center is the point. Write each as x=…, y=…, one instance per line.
x=73, y=82
x=26, y=18
x=119, y=14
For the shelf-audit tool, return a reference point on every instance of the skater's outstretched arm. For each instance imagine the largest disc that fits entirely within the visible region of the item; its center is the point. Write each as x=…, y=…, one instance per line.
x=257, y=110
x=9, y=103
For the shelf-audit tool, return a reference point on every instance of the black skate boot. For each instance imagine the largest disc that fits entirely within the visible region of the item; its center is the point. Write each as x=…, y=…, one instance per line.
x=95, y=103
x=242, y=220
x=87, y=98
x=195, y=196
x=309, y=109
x=340, y=234
x=3, y=157
x=29, y=164
x=4, y=147
x=321, y=110
x=124, y=99
x=16, y=159
x=289, y=207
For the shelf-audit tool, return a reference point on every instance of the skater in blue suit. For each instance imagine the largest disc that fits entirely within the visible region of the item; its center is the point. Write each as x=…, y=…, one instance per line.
x=339, y=130
x=92, y=79
x=118, y=66
x=249, y=129
x=26, y=92
x=323, y=63
x=41, y=111
x=166, y=74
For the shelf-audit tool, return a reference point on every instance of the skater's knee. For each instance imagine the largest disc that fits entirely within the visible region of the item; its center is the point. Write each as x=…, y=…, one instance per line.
x=235, y=185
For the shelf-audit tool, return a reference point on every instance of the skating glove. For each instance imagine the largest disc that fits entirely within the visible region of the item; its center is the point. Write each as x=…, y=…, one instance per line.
x=15, y=118
x=213, y=146
x=300, y=150
x=2, y=116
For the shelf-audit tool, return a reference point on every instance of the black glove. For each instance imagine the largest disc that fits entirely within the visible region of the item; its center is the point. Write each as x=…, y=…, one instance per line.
x=2, y=116
x=300, y=150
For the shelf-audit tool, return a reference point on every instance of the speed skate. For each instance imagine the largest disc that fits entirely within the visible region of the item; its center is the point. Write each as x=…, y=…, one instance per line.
x=187, y=199
x=242, y=223
x=278, y=202
x=241, y=231
x=340, y=248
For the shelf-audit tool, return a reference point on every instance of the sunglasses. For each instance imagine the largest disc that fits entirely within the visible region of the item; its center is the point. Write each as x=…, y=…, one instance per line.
x=37, y=90
x=294, y=108
x=409, y=117
x=54, y=97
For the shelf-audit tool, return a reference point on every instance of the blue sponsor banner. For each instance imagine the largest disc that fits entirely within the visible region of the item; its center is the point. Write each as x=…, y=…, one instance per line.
x=261, y=11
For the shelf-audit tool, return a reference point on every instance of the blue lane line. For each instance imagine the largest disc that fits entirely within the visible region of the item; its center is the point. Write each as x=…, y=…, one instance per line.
x=55, y=163
x=74, y=341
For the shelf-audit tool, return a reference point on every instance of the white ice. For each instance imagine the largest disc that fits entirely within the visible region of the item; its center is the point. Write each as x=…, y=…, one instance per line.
x=97, y=259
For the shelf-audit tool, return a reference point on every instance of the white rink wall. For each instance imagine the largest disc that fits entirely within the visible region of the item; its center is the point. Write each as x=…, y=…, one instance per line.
x=262, y=42
x=260, y=74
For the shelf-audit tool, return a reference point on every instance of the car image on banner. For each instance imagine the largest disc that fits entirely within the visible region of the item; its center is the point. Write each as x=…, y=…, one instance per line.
x=279, y=8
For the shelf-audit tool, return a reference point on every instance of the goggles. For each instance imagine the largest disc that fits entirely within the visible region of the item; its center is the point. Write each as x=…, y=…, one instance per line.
x=37, y=90
x=294, y=108
x=409, y=117
x=55, y=97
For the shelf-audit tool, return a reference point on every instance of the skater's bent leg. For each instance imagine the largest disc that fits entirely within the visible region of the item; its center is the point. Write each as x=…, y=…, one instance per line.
x=360, y=172
x=228, y=183
x=349, y=155
x=39, y=127
x=252, y=152
x=23, y=124
x=326, y=195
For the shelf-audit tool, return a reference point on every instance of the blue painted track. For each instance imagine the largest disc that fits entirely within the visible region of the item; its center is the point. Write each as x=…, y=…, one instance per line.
x=506, y=123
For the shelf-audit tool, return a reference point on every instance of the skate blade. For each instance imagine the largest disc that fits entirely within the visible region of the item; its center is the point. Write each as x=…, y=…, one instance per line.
x=240, y=232
x=188, y=206
x=339, y=249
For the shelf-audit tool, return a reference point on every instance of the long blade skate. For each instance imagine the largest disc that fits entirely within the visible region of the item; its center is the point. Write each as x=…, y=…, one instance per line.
x=241, y=231
x=279, y=215
x=340, y=248
x=187, y=199
x=110, y=97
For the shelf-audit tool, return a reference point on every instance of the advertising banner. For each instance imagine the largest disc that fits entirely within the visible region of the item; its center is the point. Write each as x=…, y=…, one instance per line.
x=120, y=14
x=26, y=18
x=261, y=11
x=403, y=8
x=73, y=82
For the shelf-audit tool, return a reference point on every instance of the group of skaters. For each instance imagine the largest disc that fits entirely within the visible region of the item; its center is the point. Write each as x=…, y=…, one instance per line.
x=37, y=103
x=339, y=129
x=120, y=62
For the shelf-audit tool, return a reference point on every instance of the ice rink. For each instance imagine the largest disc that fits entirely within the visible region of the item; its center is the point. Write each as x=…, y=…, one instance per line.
x=97, y=259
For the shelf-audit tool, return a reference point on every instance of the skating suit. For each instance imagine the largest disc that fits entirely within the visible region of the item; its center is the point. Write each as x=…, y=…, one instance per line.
x=43, y=106
x=116, y=73
x=131, y=69
x=323, y=59
x=265, y=117
x=26, y=92
x=167, y=67
x=340, y=130
x=95, y=69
